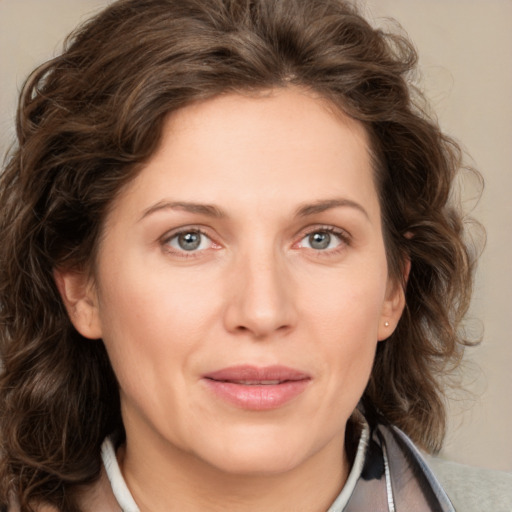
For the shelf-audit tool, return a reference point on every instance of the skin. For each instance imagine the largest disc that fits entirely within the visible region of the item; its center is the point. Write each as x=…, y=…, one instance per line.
x=255, y=292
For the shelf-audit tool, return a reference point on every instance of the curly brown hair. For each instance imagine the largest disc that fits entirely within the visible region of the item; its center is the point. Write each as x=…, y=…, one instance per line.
x=87, y=120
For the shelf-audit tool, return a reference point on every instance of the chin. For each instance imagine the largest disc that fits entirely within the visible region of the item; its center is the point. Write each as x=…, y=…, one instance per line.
x=247, y=463
x=257, y=452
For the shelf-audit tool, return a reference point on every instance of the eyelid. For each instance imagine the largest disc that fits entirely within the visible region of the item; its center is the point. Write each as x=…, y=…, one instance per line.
x=342, y=234
x=165, y=239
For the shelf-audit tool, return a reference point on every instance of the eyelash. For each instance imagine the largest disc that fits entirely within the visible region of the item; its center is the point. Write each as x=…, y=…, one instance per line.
x=344, y=237
x=165, y=242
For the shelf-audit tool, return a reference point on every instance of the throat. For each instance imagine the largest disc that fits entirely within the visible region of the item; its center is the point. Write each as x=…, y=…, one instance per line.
x=180, y=481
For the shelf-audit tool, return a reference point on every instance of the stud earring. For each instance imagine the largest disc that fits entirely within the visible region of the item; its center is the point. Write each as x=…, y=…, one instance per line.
x=386, y=324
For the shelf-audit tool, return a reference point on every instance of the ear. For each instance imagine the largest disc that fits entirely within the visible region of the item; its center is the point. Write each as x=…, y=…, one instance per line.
x=78, y=293
x=394, y=304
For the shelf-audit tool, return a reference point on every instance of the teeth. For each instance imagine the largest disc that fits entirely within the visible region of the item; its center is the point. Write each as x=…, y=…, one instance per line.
x=258, y=382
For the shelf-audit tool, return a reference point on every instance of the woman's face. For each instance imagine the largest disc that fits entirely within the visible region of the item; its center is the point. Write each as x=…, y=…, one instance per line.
x=241, y=285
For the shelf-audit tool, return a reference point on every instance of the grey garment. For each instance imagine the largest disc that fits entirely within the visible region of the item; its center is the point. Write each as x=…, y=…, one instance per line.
x=388, y=475
x=395, y=477
x=474, y=489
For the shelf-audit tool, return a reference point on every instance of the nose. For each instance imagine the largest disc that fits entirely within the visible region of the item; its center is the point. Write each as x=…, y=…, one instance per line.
x=261, y=297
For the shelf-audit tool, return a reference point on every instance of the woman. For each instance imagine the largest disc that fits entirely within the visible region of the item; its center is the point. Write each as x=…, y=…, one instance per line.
x=231, y=278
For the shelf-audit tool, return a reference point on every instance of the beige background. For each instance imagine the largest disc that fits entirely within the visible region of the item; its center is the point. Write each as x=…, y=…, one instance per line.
x=465, y=51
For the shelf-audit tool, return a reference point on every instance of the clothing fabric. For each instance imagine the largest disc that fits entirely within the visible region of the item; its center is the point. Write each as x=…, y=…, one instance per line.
x=474, y=489
x=388, y=474
x=396, y=477
x=127, y=503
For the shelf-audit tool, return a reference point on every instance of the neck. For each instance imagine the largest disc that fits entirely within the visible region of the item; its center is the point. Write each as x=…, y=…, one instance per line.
x=161, y=477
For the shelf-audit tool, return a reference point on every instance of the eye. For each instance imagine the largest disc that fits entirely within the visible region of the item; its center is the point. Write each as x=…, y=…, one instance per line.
x=189, y=241
x=323, y=239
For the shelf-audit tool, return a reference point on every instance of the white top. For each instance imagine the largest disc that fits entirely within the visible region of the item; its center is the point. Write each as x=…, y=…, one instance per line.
x=125, y=499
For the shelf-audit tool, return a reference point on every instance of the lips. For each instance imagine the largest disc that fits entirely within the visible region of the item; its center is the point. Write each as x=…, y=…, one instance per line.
x=257, y=389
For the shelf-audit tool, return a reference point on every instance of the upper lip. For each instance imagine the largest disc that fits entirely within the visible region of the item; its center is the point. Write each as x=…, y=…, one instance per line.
x=254, y=374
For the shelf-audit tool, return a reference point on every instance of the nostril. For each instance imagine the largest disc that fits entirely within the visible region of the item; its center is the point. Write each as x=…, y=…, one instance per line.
x=260, y=332
x=260, y=305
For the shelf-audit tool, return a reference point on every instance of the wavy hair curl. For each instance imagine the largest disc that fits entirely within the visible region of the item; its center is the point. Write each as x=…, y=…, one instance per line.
x=89, y=118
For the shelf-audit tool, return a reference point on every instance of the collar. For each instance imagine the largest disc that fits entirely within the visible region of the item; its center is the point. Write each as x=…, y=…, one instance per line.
x=388, y=474
x=126, y=502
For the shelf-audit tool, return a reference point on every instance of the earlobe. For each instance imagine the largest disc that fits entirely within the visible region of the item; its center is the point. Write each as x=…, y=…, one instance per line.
x=79, y=297
x=393, y=305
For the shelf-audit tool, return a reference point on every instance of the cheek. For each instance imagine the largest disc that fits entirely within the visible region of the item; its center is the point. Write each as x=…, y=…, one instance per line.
x=348, y=305
x=153, y=320
x=344, y=320
x=351, y=333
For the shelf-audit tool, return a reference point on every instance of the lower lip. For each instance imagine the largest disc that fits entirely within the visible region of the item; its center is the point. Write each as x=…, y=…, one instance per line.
x=257, y=397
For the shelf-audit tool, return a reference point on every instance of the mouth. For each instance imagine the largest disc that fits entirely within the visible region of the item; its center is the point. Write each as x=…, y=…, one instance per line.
x=258, y=389
x=256, y=382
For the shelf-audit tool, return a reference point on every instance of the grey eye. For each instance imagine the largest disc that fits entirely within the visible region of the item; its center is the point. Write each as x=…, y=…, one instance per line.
x=322, y=240
x=319, y=240
x=189, y=241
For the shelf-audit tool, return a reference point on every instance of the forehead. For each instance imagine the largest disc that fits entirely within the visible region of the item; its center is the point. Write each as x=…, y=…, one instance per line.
x=277, y=147
x=288, y=116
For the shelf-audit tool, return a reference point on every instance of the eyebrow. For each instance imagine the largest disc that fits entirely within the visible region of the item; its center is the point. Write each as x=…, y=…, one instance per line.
x=329, y=204
x=215, y=212
x=199, y=208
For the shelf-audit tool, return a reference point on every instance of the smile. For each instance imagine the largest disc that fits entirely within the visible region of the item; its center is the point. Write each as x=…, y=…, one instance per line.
x=257, y=389
x=258, y=382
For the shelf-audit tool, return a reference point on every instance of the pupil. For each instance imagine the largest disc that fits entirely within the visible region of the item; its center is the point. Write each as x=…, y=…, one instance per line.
x=189, y=241
x=320, y=240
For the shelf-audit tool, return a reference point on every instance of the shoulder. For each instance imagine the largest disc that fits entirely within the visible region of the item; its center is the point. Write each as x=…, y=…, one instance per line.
x=473, y=489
